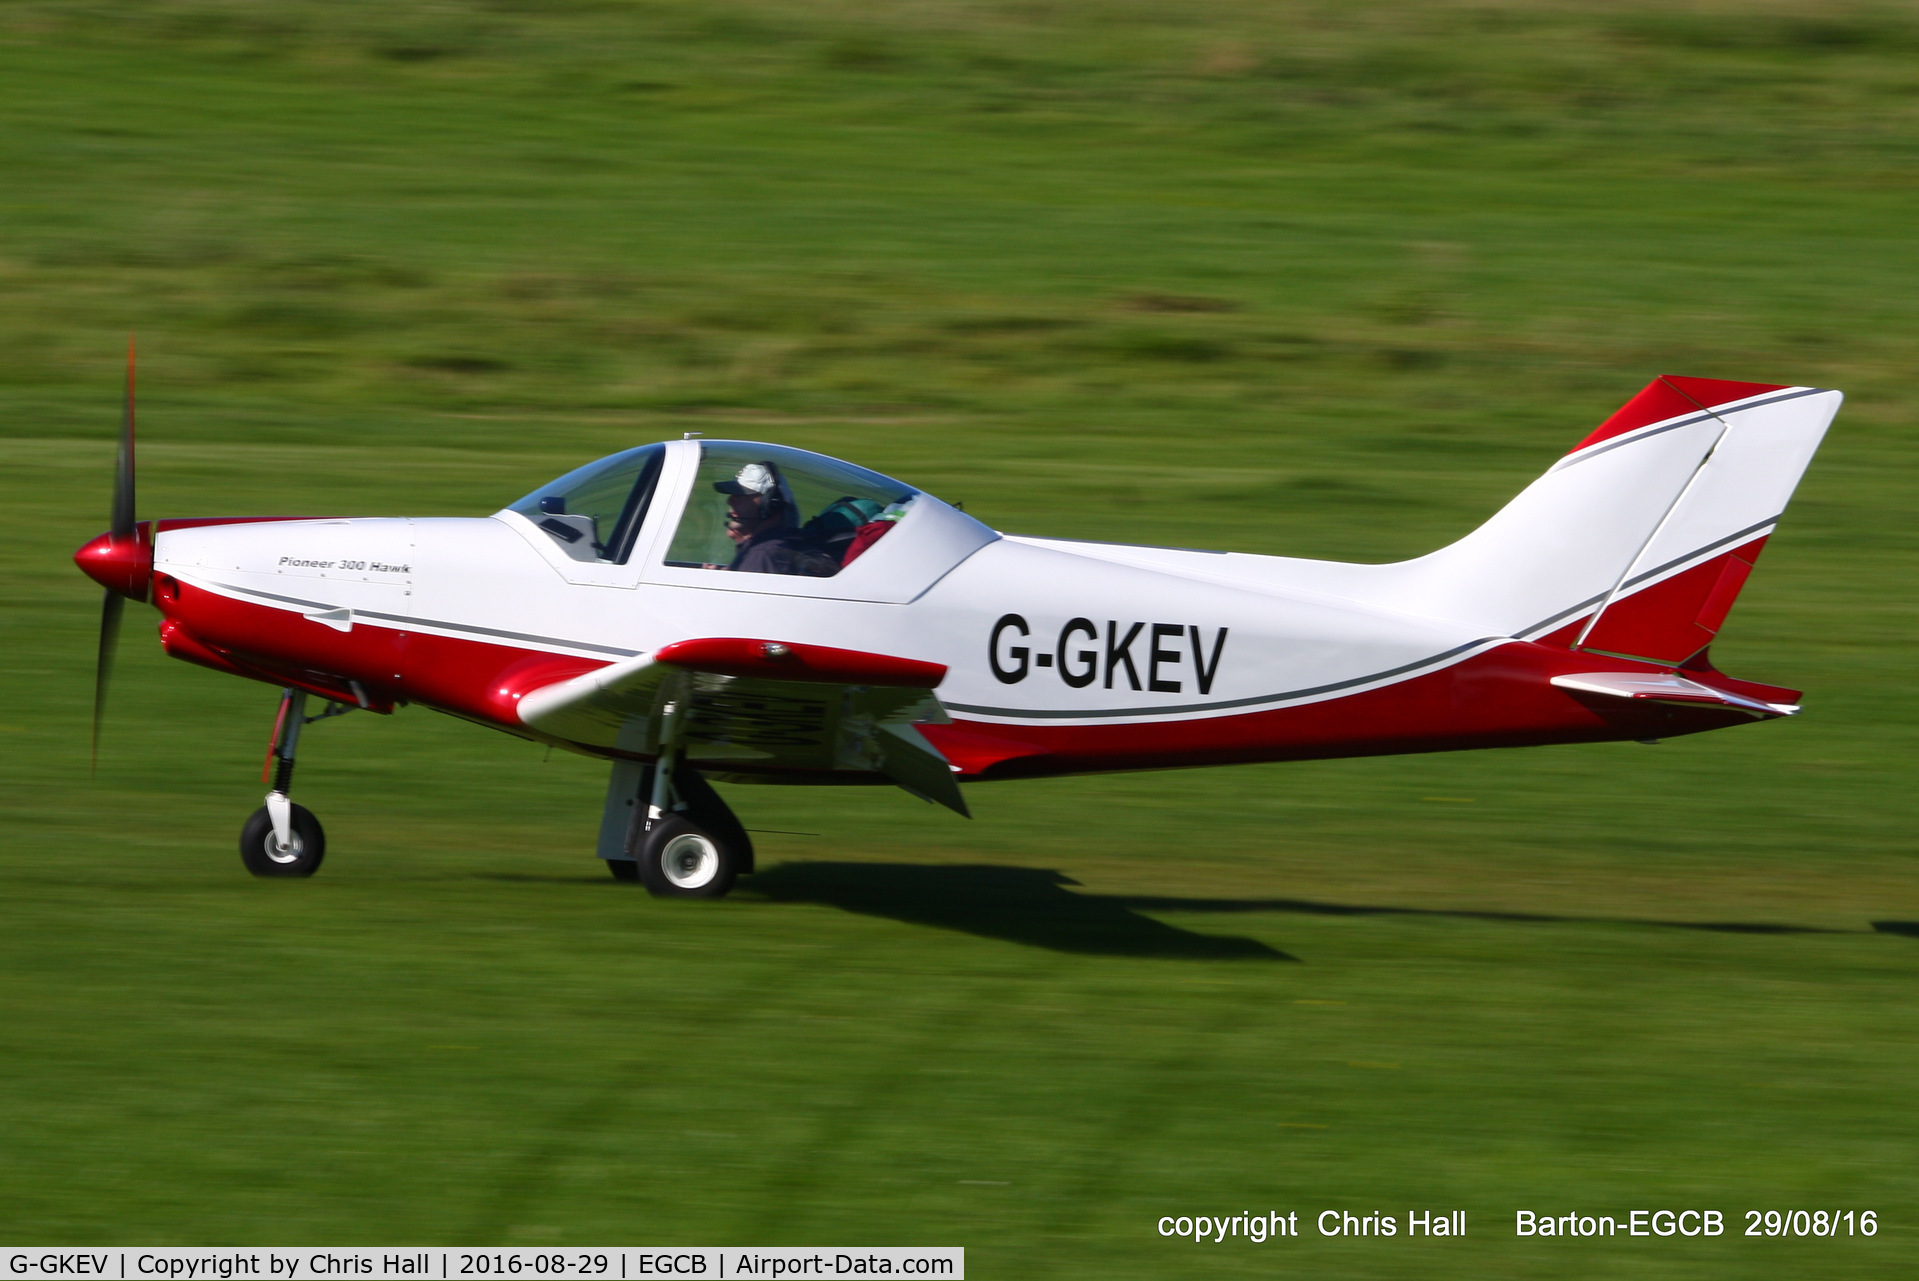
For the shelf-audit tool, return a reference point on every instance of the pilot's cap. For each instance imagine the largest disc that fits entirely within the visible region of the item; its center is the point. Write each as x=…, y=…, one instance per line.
x=761, y=480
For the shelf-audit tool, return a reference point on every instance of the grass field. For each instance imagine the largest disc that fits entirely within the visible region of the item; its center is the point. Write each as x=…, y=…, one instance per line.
x=1325, y=280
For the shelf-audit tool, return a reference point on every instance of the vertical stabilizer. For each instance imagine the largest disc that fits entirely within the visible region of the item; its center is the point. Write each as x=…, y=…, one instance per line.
x=1638, y=541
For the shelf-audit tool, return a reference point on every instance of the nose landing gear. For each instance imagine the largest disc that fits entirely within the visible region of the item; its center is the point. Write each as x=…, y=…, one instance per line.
x=281, y=838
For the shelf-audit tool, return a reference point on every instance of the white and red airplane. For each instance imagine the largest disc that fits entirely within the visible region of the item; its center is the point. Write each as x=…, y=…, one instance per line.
x=756, y=613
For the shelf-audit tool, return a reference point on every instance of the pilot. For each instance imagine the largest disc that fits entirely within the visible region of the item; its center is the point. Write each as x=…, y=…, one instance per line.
x=764, y=523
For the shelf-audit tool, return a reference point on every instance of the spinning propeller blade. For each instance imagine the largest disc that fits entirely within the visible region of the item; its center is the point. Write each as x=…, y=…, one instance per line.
x=121, y=526
x=110, y=610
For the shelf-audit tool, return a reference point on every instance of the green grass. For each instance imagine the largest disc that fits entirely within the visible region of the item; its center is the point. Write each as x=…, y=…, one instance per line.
x=1328, y=280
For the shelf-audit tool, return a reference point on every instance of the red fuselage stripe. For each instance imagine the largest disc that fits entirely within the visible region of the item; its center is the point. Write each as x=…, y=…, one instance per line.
x=1500, y=697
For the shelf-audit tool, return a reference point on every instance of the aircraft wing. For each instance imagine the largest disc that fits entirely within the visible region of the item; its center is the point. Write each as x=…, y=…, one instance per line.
x=735, y=703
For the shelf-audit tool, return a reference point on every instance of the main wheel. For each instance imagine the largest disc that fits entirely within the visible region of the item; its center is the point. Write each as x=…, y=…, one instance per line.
x=683, y=859
x=262, y=853
x=707, y=811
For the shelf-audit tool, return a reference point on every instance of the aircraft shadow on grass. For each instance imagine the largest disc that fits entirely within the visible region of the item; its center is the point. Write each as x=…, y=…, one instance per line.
x=1019, y=904
x=1035, y=907
x=1309, y=907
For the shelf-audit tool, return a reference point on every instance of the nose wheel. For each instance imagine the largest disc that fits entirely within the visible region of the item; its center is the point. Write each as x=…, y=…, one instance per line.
x=265, y=854
x=281, y=838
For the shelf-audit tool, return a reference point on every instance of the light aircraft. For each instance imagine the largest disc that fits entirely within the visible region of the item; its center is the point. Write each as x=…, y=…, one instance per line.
x=699, y=609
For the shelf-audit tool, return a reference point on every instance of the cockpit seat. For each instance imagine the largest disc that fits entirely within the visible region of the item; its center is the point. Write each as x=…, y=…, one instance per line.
x=832, y=532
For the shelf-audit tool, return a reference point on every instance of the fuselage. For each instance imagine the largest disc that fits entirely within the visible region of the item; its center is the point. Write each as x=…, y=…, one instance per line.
x=1061, y=657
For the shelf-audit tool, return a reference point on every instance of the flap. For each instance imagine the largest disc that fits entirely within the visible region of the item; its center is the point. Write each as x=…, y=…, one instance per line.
x=917, y=766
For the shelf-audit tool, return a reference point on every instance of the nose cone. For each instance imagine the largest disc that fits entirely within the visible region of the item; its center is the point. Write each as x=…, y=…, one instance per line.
x=123, y=564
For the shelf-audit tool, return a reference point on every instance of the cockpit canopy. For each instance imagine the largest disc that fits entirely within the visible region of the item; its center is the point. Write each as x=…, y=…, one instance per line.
x=770, y=510
x=749, y=508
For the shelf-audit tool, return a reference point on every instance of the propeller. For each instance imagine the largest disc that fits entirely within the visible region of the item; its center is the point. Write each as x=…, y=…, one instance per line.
x=120, y=529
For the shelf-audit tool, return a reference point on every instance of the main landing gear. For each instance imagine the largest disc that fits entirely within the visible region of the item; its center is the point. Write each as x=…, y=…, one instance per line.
x=281, y=838
x=666, y=828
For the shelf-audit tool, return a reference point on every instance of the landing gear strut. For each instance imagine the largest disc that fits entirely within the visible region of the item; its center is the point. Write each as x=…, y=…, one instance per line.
x=281, y=838
x=674, y=834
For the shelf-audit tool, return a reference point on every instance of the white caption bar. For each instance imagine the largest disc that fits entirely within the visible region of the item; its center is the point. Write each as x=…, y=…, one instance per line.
x=408, y=1263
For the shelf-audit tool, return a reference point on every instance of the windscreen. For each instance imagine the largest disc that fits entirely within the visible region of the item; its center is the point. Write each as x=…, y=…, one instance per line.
x=595, y=512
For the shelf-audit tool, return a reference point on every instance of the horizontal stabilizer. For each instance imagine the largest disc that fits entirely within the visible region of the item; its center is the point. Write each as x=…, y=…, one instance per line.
x=1662, y=687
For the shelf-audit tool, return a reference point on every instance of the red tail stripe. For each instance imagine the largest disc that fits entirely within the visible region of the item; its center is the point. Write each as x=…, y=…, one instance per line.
x=1718, y=602
x=1669, y=396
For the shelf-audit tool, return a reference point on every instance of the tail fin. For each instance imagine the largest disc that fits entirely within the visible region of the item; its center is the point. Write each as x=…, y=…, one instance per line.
x=1637, y=542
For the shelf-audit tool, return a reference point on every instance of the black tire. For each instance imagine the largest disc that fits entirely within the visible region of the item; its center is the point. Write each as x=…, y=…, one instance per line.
x=259, y=851
x=623, y=869
x=680, y=858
